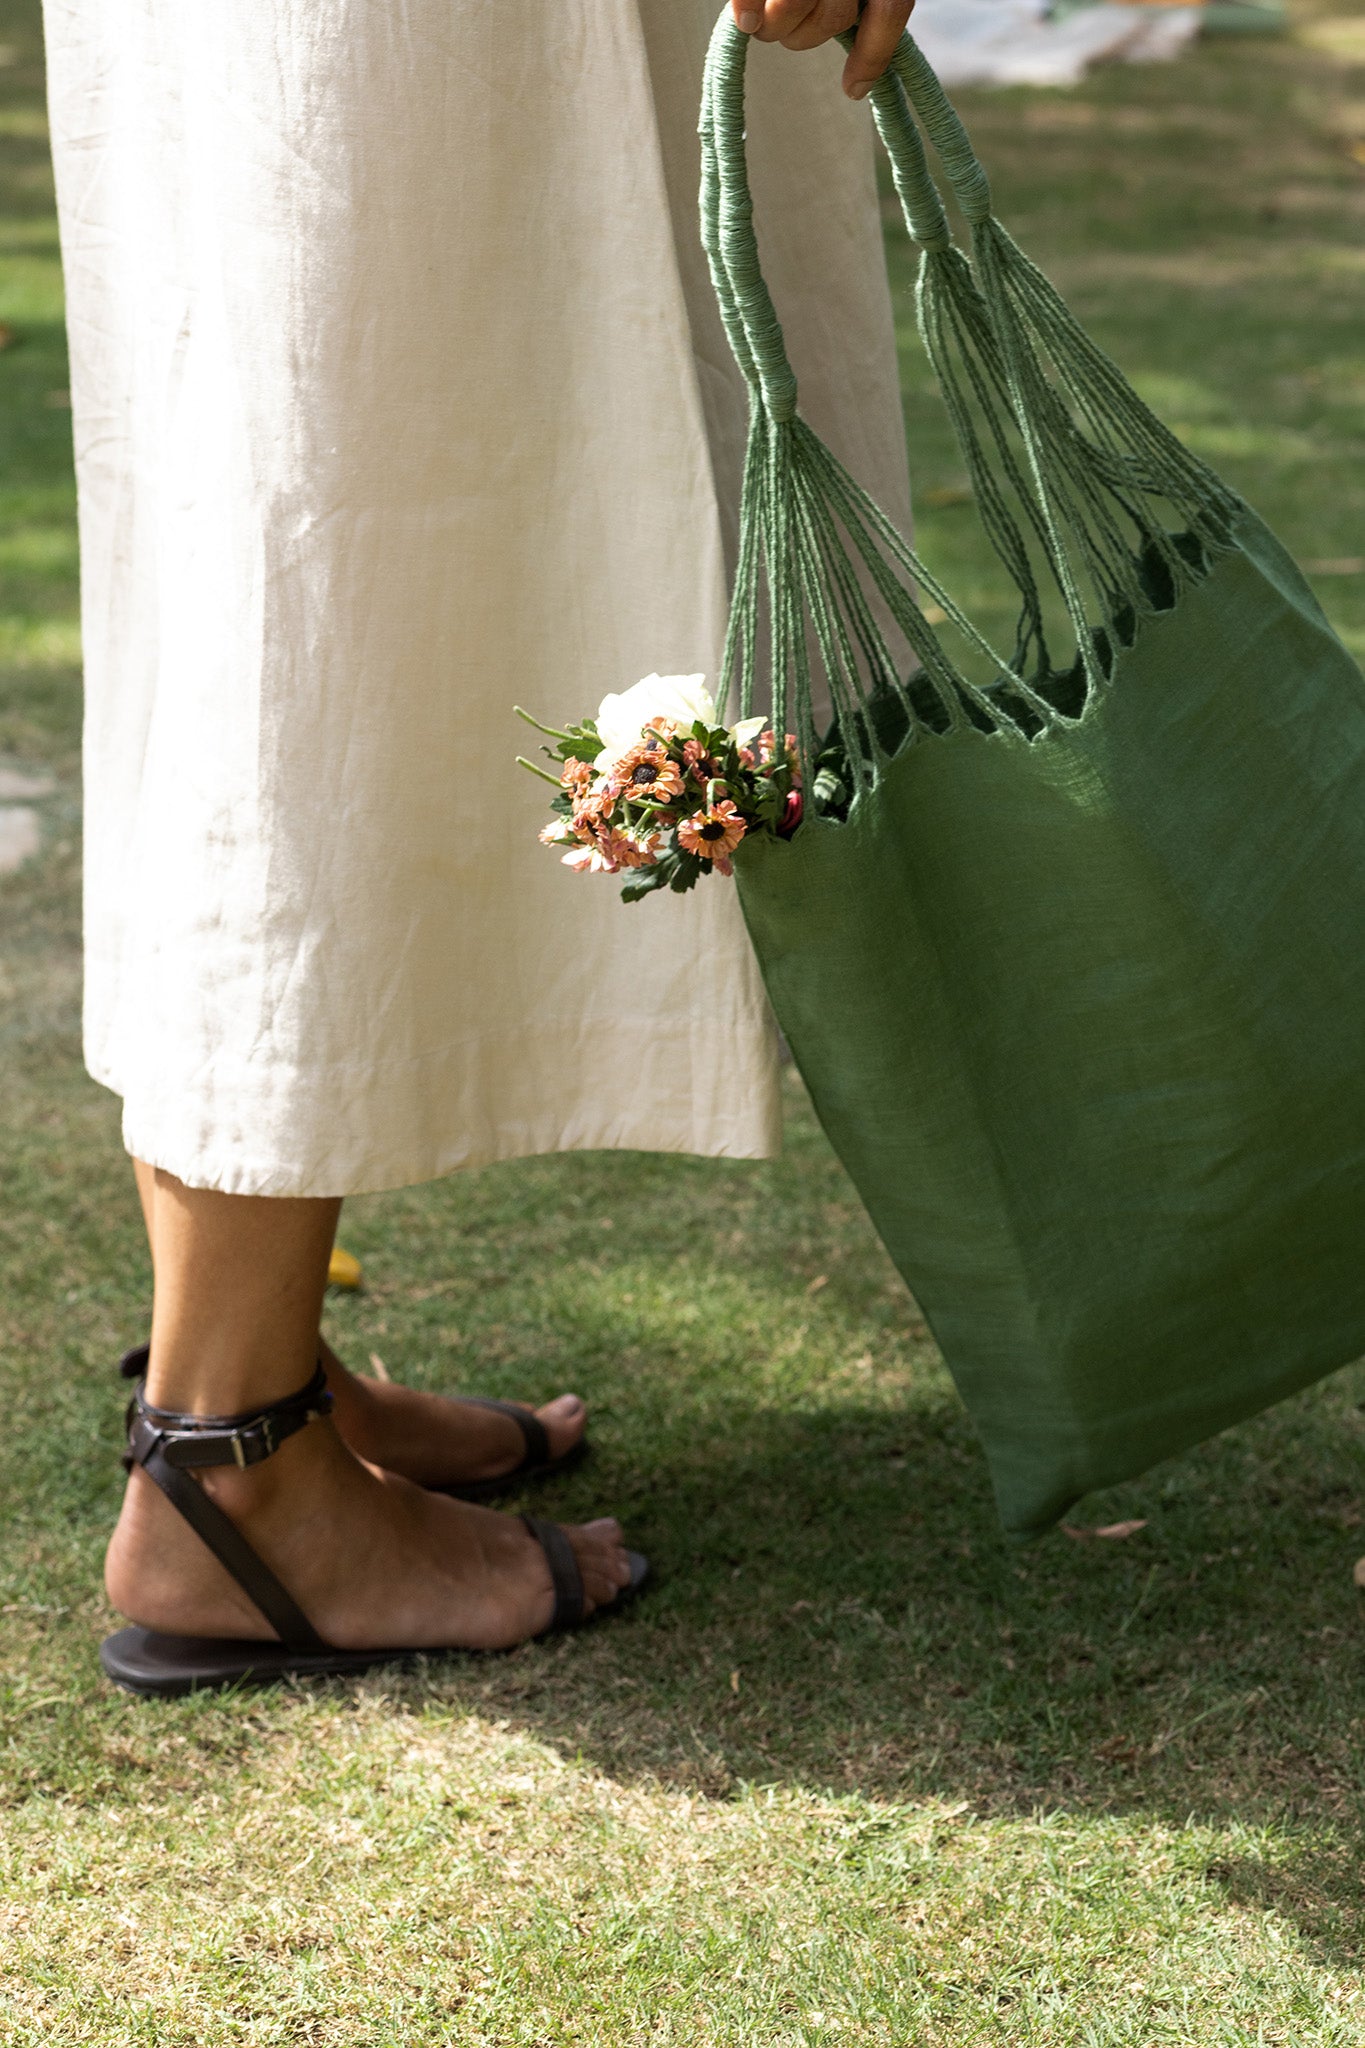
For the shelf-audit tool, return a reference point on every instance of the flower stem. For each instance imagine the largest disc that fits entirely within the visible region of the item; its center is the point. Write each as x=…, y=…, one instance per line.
x=551, y=732
x=543, y=773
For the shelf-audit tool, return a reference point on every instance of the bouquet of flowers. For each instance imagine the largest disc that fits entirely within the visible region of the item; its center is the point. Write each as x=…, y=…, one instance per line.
x=653, y=787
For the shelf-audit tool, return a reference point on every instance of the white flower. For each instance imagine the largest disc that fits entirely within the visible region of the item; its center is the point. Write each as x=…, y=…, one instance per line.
x=621, y=719
x=747, y=729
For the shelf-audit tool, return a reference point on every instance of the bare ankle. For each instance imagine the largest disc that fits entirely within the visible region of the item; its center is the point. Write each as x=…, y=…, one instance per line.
x=357, y=1406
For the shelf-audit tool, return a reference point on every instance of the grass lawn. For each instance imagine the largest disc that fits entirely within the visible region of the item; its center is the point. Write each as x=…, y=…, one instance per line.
x=854, y=1771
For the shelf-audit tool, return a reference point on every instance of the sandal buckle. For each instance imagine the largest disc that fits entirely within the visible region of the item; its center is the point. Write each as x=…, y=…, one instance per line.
x=254, y=1441
x=190, y=1442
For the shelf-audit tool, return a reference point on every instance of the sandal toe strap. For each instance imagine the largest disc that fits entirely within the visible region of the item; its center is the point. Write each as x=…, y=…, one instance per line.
x=534, y=1434
x=564, y=1573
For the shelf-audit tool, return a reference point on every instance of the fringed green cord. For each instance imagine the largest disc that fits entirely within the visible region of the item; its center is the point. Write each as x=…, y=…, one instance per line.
x=1063, y=456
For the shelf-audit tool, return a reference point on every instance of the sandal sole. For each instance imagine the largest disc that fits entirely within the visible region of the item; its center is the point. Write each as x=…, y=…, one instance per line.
x=157, y=1666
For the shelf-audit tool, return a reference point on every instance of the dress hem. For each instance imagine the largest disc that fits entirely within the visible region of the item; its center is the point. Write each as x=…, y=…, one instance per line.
x=241, y=1180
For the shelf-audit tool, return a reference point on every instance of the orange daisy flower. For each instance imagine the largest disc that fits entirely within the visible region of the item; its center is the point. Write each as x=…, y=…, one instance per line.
x=713, y=834
x=628, y=852
x=646, y=774
x=577, y=775
x=591, y=813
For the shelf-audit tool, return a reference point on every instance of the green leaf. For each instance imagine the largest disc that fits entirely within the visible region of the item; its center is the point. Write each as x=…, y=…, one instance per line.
x=643, y=882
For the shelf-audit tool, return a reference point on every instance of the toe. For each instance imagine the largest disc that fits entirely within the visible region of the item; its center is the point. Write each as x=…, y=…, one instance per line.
x=565, y=1420
x=601, y=1559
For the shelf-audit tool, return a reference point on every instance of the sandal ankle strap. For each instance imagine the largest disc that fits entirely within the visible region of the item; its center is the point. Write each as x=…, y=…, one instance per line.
x=191, y=1442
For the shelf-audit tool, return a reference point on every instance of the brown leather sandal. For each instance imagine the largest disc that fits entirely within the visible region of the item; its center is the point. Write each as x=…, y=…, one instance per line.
x=169, y=1447
x=535, y=1463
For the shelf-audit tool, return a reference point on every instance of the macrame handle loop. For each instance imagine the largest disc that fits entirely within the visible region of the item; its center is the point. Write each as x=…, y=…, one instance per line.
x=1070, y=471
x=746, y=305
x=727, y=209
x=939, y=118
x=910, y=82
x=915, y=188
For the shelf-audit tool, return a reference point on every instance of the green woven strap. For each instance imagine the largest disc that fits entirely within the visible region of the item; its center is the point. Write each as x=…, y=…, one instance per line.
x=918, y=194
x=727, y=210
x=727, y=205
x=1075, y=480
x=939, y=117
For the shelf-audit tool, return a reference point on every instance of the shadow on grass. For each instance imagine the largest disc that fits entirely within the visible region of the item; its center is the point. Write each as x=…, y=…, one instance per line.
x=850, y=1563
x=1319, y=1894
x=835, y=1611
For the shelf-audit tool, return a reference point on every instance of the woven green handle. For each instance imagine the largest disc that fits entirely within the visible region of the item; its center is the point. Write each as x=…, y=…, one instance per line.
x=910, y=74
x=727, y=215
x=751, y=320
x=1075, y=480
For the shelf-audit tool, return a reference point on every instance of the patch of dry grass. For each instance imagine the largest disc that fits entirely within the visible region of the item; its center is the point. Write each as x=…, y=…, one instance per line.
x=392, y=1868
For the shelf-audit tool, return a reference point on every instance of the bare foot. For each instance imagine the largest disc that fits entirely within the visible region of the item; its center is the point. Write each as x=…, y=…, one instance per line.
x=373, y=1560
x=437, y=1439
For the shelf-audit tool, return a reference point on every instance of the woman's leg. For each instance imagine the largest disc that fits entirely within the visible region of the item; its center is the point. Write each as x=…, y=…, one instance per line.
x=238, y=1293
x=372, y=1560
x=433, y=1438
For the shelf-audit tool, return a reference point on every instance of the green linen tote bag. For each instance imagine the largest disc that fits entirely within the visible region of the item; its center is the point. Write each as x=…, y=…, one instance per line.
x=1071, y=954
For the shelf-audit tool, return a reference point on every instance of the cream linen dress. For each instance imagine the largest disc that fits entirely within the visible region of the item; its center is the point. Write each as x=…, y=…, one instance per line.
x=399, y=399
